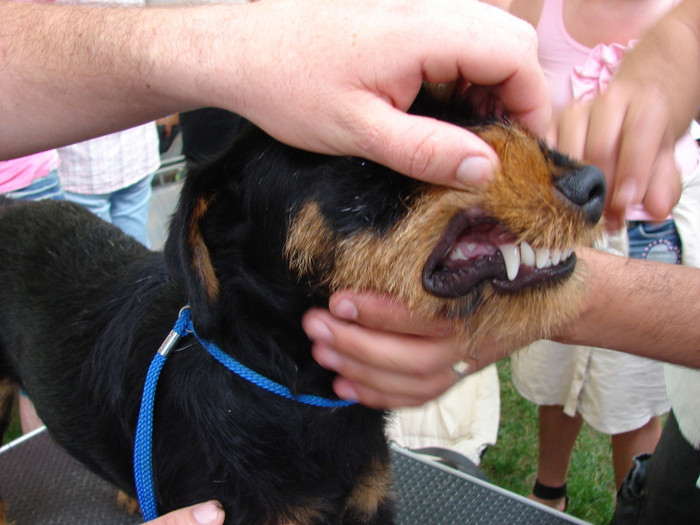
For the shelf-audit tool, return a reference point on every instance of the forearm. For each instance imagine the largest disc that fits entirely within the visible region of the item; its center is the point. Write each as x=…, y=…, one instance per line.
x=69, y=73
x=640, y=307
x=331, y=77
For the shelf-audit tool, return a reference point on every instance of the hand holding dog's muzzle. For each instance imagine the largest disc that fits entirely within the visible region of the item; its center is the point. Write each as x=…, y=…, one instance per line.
x=384, y=355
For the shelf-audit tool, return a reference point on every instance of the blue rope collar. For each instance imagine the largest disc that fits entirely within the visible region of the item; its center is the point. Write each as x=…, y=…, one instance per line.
x=143, y=445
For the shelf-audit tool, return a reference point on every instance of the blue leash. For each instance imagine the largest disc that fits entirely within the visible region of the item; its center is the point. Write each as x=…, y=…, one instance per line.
x=143, y=445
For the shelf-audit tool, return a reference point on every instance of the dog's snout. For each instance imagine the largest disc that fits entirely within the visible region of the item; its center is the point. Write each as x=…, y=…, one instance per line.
x=585, y=187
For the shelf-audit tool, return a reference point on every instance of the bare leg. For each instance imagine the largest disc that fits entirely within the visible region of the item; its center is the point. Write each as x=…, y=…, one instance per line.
x=629, y=444
x=27, y=415
x=557, y=436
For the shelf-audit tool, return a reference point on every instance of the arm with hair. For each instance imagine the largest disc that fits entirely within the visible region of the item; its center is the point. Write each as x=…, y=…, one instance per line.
x=640, y=307
x=387, y=358
x=333, y=78
x=73, y=72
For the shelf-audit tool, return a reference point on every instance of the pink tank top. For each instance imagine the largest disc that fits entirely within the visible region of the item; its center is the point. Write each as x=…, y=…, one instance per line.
x=577, y=72
x=19, y=173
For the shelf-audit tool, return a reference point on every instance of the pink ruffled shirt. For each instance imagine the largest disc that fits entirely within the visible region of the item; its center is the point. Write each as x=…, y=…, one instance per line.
x=577, y=72
x=594, y=75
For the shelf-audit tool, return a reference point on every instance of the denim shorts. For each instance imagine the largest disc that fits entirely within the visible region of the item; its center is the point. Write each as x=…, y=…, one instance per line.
x=655, y=241
x=46, y=187
x=126, y=208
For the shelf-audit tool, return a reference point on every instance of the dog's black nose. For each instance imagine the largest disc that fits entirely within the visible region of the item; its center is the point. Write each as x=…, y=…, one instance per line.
x=585, y=187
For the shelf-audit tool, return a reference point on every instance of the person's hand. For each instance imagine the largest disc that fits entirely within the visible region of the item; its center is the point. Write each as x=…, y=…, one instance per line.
x=209, y=513
x=385, y=356
x=630, y=130
x=639, y=166
x=338, y=77
x=331, y=77
x=169, y=123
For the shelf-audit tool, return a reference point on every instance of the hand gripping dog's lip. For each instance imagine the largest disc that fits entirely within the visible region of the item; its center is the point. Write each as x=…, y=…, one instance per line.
x=476, y=248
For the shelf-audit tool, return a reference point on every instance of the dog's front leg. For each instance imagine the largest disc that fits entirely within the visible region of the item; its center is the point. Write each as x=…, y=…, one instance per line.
x=370, y=502
x=383, y=514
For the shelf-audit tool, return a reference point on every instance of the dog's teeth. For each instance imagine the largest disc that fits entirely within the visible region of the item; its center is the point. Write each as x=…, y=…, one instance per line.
x=511, y=256
x=457, y=255
x=556, y=257
x=527, y=254
x=542, y=258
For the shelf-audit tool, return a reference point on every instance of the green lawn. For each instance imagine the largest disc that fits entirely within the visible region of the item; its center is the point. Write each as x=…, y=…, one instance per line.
x=512, y=462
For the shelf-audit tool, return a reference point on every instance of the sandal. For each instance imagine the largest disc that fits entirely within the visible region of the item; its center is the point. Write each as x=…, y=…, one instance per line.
x=545, y=492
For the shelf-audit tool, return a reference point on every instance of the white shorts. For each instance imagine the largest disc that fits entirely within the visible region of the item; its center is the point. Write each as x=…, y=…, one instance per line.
x=613, y=392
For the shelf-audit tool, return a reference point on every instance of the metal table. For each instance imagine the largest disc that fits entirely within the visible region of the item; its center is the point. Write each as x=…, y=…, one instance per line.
x=42, y=485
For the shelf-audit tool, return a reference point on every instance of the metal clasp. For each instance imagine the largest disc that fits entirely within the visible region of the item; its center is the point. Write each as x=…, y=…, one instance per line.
x=169, y=343
x=173, y=337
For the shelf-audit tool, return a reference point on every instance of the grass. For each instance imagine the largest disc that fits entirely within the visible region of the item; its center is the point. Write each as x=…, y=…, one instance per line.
x=13, y=431
x=512, y=462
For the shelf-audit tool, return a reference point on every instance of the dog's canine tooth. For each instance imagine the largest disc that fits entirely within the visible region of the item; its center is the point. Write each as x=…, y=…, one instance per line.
x=511, y=256
x=541, y=258
x=527, y=254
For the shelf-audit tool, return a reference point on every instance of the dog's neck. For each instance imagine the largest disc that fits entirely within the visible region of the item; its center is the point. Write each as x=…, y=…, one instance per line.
x=293, y=380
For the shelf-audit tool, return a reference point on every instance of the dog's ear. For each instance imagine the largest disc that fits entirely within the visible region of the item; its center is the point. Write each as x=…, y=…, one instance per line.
x=207, y=224
x=465, y=106
x=188, y=256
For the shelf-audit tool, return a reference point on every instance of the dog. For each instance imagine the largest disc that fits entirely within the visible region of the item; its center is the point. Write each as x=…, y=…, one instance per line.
x=260, y=235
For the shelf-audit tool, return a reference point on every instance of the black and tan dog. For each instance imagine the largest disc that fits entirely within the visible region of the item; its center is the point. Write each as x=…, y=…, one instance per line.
x=259, y=236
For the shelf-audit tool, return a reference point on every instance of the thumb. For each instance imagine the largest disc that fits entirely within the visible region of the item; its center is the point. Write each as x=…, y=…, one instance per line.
x=428, y=149
x=209, y=513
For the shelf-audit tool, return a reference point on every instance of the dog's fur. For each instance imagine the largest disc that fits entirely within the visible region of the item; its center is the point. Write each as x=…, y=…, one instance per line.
x=259, y=236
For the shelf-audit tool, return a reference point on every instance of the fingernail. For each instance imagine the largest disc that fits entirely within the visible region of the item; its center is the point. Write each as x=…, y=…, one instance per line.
x=318, y=331
x=345, y=391
x=475, y=171
x=208, y=513
x=625, y=195
x=345, y=309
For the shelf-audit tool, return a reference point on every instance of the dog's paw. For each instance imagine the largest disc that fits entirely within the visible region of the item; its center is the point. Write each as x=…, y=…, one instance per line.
x=129, y=504
x=3, y=515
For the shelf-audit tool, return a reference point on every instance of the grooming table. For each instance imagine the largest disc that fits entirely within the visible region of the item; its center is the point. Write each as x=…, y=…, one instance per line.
x=42, y=485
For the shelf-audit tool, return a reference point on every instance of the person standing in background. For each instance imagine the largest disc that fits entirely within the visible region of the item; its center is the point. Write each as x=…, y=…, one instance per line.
x=581, y=44
x=111, y=176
